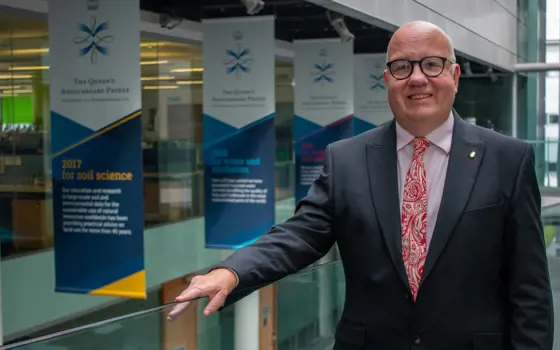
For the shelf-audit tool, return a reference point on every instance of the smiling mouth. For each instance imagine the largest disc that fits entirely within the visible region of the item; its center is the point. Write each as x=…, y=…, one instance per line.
x=419, y=96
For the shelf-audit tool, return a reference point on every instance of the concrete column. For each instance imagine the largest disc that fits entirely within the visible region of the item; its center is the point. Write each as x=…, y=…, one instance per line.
x=326, y=298
x=1, y=310
x=514, y=105
x=246, y=327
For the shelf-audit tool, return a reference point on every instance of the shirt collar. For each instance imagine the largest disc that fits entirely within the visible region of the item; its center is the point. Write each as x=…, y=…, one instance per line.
x=441, y=136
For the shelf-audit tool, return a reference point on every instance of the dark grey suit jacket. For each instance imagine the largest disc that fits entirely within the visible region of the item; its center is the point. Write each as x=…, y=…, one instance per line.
x=485, y=284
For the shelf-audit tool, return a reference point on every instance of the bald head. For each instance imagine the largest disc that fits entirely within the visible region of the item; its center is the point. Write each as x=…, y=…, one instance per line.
x=420, y=31
x=423, y=78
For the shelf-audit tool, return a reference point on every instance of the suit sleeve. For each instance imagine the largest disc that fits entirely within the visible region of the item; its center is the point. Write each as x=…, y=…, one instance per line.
x=530, y=308
x=290, y=246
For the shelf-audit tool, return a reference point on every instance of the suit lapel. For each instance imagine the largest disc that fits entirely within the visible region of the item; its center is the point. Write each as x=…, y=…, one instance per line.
x=382, y=170
x=462, y=170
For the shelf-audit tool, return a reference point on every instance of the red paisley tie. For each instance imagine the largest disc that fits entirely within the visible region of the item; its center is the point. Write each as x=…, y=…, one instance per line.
x=413, y=216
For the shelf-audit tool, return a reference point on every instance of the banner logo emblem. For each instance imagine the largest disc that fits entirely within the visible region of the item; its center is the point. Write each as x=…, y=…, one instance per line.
x=238, y=61
x=376, y=82
x=94, y=39
x=323, y=70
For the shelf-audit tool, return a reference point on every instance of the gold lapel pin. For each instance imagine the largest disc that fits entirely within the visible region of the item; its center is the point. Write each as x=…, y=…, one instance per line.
x=472, y=154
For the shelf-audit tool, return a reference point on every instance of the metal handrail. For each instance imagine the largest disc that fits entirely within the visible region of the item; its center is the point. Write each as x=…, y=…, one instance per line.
x=132, y=315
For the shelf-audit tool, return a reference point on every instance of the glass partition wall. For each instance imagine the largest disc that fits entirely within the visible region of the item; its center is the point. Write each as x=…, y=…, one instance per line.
x=172, y=160
x=172, y=120
x=172, y=133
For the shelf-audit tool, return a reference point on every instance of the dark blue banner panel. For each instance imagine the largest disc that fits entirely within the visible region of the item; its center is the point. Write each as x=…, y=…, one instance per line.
x=310, y=143
x=239, y=182
x=98, y=208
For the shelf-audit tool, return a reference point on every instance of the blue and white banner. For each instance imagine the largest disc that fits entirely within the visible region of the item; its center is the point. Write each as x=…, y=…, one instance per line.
x=96, y=146
x=324, y=103
x=370, y=94
x=238, y=130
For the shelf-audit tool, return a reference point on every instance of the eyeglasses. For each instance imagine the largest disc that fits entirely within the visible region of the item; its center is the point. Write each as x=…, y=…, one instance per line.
x=431, y=66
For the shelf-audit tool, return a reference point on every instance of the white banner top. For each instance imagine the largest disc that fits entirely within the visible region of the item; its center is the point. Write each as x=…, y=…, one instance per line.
x=100, y=49
x=370, y=92
x=324, y=84
x=238, y=56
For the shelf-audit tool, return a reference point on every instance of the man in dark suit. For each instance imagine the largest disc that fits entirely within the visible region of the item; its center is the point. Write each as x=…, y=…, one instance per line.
x=437, y=222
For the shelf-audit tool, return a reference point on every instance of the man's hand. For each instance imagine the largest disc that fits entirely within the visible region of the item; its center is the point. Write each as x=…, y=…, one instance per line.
x=215, y=285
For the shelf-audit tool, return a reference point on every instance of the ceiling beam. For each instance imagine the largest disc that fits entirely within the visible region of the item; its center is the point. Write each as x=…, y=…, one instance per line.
x=536, y=67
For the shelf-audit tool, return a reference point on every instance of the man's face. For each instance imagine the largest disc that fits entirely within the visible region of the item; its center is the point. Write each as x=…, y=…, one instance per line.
x=421, y=97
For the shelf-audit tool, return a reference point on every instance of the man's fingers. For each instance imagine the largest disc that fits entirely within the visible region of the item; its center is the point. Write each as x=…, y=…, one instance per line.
x=189, y=294
x=215, y=303
x=214, y=285
x=177, y=311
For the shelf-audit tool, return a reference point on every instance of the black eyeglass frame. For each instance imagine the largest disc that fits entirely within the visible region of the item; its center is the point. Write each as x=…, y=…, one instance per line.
x=413, y=64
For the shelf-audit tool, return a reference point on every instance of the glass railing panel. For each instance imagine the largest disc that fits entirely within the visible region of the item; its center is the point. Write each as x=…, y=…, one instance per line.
x=552, y=237
x=547, y=167
x=306, y=306
x=309, y=307
x=550, y=216
x=546, y=161
x=142, y=330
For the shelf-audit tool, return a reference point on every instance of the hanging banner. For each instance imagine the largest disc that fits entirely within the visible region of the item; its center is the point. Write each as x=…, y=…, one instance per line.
x=238, y=130
x=370, y=93
x=96, y=147
x=323, y=98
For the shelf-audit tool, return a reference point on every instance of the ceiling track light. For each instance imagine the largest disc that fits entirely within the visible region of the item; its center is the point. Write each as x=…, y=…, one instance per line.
x=491, y=74
x=169, y=20
x=337, y=22
x=253, y=6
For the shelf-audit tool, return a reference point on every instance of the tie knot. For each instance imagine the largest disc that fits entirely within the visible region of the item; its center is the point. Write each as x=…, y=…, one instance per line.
x=420, y=144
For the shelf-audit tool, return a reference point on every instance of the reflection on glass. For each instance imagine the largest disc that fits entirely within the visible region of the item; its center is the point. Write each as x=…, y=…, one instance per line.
x=171, y=80
x=172, y=119
x=303, y=316
x=172, y=134
x=25, y=209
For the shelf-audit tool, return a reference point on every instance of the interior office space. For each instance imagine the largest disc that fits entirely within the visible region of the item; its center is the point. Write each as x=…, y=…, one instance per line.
x=172, y=79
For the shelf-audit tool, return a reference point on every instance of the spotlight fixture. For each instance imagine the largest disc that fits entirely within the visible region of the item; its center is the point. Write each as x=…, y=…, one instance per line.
x=337, y=22
x=467, y=68
x=253, y=6
x=491, y=74
x=169, y=20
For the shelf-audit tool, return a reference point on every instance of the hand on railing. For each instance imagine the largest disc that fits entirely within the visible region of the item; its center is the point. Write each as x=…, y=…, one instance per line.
x=216, y=285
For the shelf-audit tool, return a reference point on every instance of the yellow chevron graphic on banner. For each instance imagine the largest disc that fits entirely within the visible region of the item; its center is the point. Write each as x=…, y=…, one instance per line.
x=133, y=286
x=100, y=132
